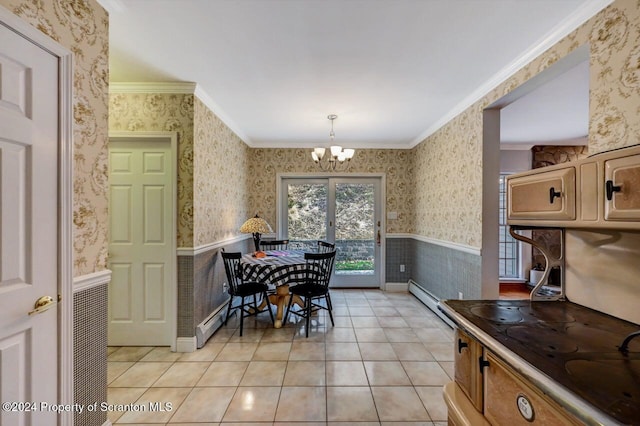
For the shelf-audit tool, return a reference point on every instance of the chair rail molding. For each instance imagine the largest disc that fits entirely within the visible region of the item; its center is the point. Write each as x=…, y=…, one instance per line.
x=449, y=244
x=192, y=251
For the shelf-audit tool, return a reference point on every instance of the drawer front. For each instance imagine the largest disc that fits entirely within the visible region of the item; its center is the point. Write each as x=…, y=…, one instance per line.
x=622, y=189
x=547, y=195
x=509, y=401
x=467, y=351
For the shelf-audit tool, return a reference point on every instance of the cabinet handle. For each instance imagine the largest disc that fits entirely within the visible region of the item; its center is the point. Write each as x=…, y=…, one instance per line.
x=553, y=194
x=462, y=345
x=483, y=364
x=611, y=188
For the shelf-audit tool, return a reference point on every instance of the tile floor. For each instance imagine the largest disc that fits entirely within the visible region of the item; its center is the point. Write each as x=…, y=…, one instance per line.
x=384, y=363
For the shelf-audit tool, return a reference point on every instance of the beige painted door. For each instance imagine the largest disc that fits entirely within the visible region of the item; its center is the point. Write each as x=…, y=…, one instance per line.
x=141, y=254
x=28, y=230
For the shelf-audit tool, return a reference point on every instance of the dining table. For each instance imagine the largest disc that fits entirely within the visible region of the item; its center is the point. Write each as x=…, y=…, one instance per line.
x=278, y=269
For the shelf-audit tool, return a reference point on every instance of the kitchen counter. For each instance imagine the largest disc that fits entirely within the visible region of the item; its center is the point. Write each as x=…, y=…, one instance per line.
x=568, y=351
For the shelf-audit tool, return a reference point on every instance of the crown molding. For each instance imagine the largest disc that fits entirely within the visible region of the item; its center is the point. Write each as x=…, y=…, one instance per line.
x=219, y=112
x=153, y=87
x=560, y=31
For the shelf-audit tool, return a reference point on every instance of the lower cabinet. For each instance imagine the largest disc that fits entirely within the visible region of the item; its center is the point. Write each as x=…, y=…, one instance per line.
x=467, y=354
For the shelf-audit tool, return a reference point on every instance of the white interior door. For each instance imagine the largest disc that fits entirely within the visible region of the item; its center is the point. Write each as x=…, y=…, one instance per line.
x=28, y=229
x=346, y=211
x=141, y=248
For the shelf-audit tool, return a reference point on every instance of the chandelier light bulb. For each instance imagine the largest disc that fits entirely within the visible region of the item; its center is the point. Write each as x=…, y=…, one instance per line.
x=335, y=150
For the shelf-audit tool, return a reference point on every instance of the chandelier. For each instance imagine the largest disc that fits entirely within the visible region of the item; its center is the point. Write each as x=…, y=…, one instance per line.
x=338, y=159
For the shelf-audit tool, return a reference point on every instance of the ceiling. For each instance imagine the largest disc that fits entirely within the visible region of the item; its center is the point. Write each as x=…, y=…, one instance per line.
x=394, y=71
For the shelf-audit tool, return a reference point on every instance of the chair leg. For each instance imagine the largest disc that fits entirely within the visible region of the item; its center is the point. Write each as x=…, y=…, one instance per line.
x=286, y=315
x=329, y=308
x=228, y=310
x=268, y=307
x=241, y=316
x=307, y=305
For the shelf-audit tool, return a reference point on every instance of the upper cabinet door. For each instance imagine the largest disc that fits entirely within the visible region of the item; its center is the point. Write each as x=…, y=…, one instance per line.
x=547, y=195
x=622, y=189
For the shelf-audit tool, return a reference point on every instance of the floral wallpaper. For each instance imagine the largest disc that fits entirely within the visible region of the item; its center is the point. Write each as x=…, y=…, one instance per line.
x=138, y=112
x=398, y=165
x=82, y=27
x=547, y=155
x=448, y=200
x=220, y=193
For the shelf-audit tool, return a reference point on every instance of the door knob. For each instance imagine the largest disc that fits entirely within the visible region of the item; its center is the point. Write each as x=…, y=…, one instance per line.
x=42, y=304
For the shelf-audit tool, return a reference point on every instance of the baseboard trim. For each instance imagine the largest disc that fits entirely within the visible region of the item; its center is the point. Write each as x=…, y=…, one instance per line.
x=210, y=325
x=396, y=287
x=429, y=300
x=186, y=344
x=88, y=281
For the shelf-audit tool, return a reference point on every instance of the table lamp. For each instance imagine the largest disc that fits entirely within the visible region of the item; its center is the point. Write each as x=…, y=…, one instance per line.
x=256, y=226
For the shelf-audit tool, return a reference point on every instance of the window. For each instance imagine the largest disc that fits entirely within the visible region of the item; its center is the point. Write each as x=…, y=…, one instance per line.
x=508, y=247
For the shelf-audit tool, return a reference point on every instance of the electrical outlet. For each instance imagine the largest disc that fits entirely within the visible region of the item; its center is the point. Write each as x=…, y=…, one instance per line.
x=460, y=295
x=401, y=268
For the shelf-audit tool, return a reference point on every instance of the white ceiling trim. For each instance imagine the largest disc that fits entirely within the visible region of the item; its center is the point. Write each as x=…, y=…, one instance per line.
x=215, y=108
x=562, y=30
x=152, y=87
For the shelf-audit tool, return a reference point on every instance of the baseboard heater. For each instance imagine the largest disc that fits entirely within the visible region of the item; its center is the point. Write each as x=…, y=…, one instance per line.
x=211, y=323
x=429, y=299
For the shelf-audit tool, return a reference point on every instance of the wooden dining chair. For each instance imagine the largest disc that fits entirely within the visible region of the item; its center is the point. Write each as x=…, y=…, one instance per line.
x=313, y=287
x=325, y=246
x=243, y=290
x=274, y=244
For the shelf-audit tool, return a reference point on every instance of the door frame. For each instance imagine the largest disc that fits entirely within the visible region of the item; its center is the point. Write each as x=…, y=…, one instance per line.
x=65, y=201
x=280, y=214
x=172, y=138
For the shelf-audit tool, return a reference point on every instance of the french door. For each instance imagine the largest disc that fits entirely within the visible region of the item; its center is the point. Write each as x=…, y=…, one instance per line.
x=344, y=211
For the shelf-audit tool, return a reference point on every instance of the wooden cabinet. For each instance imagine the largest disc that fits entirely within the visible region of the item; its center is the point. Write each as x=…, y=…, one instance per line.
x=549, y=195
x=509, y=400
x=622, y=189
x=467, y=375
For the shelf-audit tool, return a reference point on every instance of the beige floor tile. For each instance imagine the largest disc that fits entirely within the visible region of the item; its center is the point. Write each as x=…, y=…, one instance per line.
x=346, y=404
x=182, y=374
x=413, y=312
x=264, y=373
x=371, y=335
x=392, y=322
x=365, y=322
x=354, y=424
x=121, y=396
x=421, y=322
x=357, y=302
x=237, y=352
x=385, y=311
x=141, y=375
x=253, y=404
x=248, y=335
x=346, y=373
x=227, y=373
x=431, y=397
x=164, y=396
x=305, y=373
x=222, y=335
x=342, y=351
x=425, y=373
x=432, y=335
x=129, y=353
x=377, y=352
x=441, y=351
x=204, y=405
x=342, y=321
x=377, y=303
x=403, y=335
x=412, y=352
x=112, y=349
x=116, y=368
x=407, y=424
x=360, y=311
x=307, y=351
x=272, y=351
x=302, y=404
x=386, y=373
x=340, y=335
x=208, y=352
x=278, y=335
x=162, y=354
x=448, y=367
x=340, y=311
x=399, y=403
x=316, y=333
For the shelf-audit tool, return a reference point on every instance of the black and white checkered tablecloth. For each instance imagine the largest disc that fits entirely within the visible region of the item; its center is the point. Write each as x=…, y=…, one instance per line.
x=279, y=267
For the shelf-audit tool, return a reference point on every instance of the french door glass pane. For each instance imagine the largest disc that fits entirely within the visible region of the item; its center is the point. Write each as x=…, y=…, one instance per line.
x=307, y=214
x=355, y=229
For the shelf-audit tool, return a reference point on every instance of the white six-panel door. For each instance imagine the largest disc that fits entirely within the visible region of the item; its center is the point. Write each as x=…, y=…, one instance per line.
x=141, y=254
x=28, y=230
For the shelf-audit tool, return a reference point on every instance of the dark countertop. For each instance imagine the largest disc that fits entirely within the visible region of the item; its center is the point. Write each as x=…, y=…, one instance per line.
x=568, y=350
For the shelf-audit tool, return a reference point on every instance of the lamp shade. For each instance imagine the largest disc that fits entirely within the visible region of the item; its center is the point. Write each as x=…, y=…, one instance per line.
x=256, y=225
